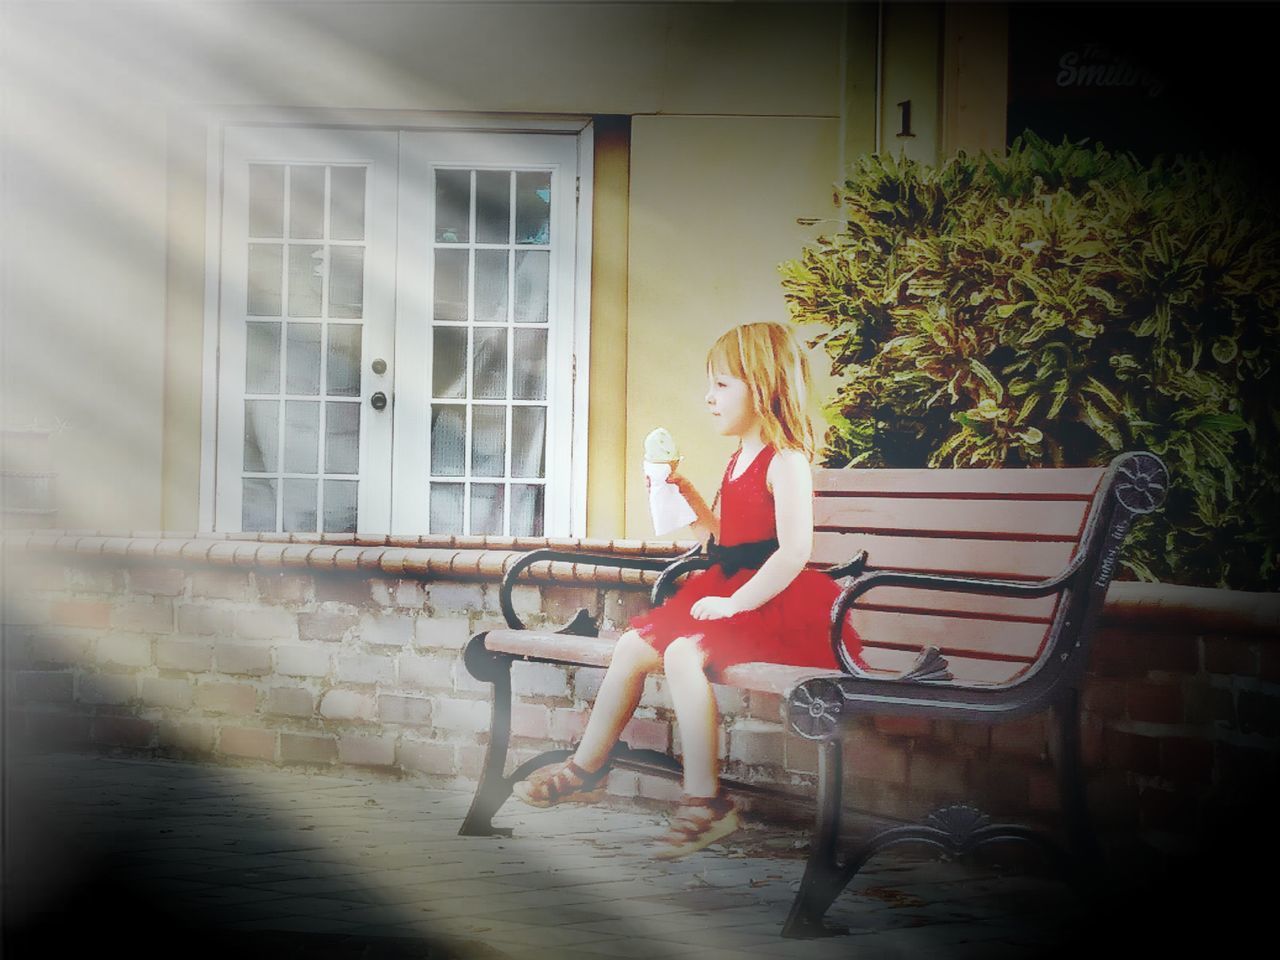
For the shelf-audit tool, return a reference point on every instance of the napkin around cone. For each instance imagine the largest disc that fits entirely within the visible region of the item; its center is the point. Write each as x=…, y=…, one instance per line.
x=667, y=505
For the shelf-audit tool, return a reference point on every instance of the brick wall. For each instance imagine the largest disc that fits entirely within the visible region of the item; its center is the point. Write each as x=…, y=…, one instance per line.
x=364, y=670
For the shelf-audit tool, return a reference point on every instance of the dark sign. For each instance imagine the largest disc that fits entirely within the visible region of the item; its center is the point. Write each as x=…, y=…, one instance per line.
x=1152, y=78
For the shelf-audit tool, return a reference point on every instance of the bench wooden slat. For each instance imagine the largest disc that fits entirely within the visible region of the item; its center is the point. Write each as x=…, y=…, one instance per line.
x=943, y=602
x=598, y=651
x=767, y=677
x=954, y=636
x=980, y=558
x=1067, y=482
x=761, y=677
x=546, y=644
x=993, y=519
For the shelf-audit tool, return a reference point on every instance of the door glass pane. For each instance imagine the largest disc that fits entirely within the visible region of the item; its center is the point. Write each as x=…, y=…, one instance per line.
x=453, y=206
x=261, y=437
x=489, y=379
x=340, y=500
x=341, y=437
x=449, y=362
x=451, y=285
x=306, y=280
x=491, y=286
x=262, y=357
x=532, y=274
x=526, y=510
x=303, y=376
x=346, y=282
x=266, y=200
x=528, y=441
x=487, y=508
x=301, y=436
x=299, y=511
x=266, y=273
x=448, y=439
x=346, y=203
x=258, y=504
x=446, y=508
x=309, y=357
x=530, y=381
x=533, y=207
x=344, y=360
x=306, y=203
x=493, y=206
x=488, y=441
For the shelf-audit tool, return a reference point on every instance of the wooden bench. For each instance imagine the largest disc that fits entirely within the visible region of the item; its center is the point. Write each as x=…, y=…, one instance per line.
x=987, y=585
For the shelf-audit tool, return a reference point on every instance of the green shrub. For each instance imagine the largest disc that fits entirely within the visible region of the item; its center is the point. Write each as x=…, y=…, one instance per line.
x=1053, y=307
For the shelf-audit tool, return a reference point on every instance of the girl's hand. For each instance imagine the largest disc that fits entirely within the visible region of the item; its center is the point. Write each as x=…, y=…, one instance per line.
x=706, y=518
x=680, y=480
x=714, y=608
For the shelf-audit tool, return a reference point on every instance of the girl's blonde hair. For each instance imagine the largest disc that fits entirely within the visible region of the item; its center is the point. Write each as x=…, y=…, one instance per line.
x=768, y=357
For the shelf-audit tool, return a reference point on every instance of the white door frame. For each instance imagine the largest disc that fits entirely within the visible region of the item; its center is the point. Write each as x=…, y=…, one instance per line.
x=217, y=123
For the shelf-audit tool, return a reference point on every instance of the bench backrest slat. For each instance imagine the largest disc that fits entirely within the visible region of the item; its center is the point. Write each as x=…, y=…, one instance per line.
x=1054, y=520
x=999, y=639
x=1014, y=524
x=1005, y=559
x=942, y=602
x=1065, y=482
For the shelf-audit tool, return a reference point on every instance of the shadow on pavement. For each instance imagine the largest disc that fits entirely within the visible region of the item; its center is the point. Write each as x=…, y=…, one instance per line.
x=78, y=879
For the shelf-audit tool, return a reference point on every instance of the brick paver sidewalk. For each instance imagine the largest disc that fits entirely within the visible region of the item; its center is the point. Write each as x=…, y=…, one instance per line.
x=178, y=859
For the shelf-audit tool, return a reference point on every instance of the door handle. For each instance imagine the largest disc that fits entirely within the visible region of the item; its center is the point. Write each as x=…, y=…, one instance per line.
x=378, y=400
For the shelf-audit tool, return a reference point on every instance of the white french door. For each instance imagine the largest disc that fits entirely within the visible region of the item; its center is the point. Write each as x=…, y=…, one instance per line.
x=396, y=332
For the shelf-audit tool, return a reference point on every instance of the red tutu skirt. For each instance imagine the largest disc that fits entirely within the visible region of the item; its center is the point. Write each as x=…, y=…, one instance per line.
x=793, y=627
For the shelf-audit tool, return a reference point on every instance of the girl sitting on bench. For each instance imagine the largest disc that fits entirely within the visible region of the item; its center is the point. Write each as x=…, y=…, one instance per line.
x=757, y=602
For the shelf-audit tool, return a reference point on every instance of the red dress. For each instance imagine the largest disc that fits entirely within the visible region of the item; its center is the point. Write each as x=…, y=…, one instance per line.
x=792, y=627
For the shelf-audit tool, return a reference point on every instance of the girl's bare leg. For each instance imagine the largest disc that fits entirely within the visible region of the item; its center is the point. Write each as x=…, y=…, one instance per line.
x=695, y=705
x=620, y=693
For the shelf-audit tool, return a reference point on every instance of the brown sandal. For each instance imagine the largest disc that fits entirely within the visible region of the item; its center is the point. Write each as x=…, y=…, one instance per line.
x=568, y=782
x=698, y=822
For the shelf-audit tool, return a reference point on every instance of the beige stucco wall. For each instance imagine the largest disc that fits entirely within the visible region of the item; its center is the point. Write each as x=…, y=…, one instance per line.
x=704, y=256
x=737, y=131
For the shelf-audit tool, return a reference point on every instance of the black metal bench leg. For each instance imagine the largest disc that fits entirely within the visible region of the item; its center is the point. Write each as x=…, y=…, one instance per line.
x=1081, y=839
x=494, y=788
x=823, y=877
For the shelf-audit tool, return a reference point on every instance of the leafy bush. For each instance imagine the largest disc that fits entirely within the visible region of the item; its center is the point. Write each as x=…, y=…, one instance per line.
x=1054, y=306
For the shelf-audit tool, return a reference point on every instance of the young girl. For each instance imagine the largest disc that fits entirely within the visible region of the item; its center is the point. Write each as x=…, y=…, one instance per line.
x=759, y=602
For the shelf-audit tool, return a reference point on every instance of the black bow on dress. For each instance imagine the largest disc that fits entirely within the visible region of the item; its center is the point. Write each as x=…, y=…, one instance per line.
x=740, y=556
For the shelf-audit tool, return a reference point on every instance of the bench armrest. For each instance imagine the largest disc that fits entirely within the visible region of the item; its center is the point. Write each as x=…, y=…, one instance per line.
x=695, y=559
x=574, y=556
x=931, y=665
x=687, y=562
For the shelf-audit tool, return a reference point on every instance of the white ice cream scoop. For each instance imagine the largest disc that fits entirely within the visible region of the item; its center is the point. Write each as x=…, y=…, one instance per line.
x=660, y=447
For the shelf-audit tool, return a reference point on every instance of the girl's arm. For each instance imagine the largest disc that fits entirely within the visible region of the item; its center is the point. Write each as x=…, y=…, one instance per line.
x=708, y=521
x=792, y=481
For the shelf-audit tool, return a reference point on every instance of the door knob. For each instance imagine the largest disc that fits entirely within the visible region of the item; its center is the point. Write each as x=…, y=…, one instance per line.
x=379, y=400
x=379, y=366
